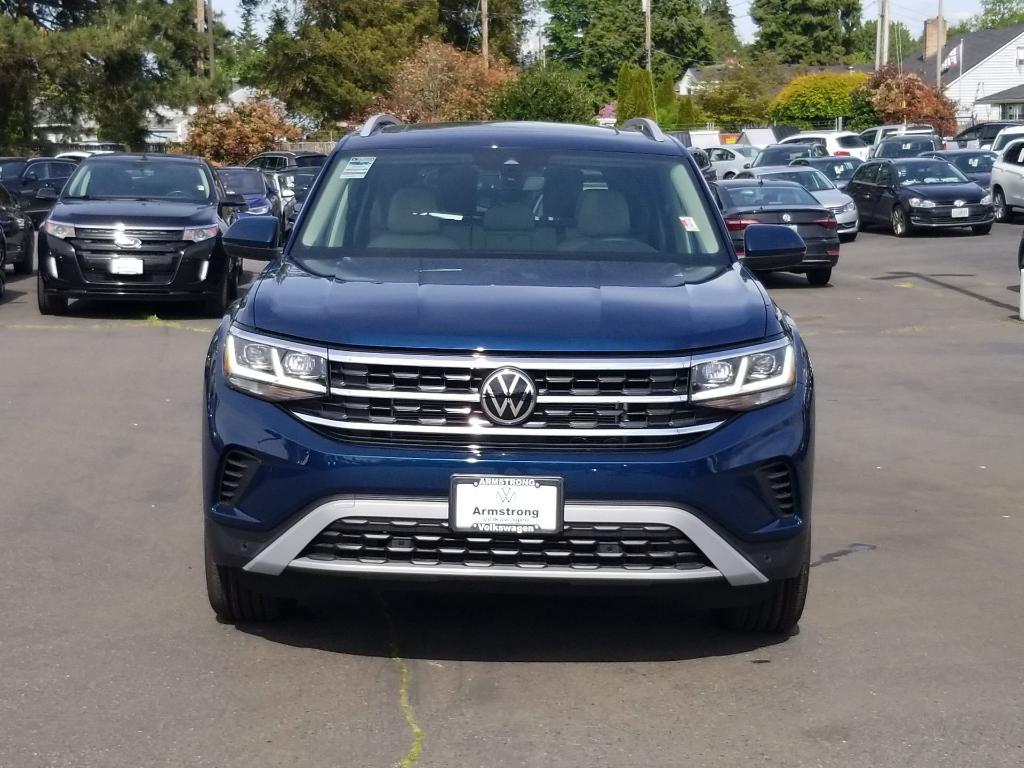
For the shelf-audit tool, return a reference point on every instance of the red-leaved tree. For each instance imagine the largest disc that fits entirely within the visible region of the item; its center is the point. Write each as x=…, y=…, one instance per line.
x=232, y=136
x=899, y=97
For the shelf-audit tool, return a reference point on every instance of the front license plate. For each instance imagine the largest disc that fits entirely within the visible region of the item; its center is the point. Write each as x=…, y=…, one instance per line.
x=961, y=213
x=124, y=266
x=494, y=504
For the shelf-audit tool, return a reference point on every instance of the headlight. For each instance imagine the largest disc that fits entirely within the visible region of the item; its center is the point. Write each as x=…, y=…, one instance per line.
x=274, y=369
x=745, y=381
x=199, y=234
x=58, y=230
x=259, y=210
x=917, y=202
x=986, y=200
x=850, y=207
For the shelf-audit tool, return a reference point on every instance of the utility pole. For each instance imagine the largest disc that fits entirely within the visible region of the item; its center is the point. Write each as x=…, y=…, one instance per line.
x=940, y=45
x=646, y=5
x=484, y=34
x=201, y=29
x=209, y=35
x=885, y=32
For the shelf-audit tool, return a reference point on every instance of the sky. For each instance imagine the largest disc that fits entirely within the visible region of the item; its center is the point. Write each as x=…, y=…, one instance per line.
x=910, y=12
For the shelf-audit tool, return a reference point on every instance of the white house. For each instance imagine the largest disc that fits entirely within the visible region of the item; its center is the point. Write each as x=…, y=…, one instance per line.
x=986, y=72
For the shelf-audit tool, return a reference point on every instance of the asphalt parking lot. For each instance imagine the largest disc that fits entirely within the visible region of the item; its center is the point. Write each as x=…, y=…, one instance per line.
x=909, y=653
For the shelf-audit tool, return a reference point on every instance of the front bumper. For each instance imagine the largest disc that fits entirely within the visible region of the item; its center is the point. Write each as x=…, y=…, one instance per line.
x=190, y=272
x=942, y=216
x=711, y=491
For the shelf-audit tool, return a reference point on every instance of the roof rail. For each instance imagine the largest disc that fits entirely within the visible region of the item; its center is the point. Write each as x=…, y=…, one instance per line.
x=378, y=121
x=646, y=126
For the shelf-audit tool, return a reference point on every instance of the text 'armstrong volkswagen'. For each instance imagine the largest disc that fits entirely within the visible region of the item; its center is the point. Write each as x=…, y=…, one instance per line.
x=516, y=354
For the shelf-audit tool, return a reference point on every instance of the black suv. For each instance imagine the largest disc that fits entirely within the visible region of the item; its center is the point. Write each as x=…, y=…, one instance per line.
x=279, y=160
x=35, y=182
x=139, y=227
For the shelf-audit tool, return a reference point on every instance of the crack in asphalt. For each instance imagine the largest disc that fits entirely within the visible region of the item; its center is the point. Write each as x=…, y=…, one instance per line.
x=852, y=549
x=416, y=748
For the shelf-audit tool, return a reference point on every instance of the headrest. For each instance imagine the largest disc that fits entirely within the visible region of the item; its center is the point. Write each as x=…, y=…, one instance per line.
x=603, y=213
x=509, y=218
x=409, y=212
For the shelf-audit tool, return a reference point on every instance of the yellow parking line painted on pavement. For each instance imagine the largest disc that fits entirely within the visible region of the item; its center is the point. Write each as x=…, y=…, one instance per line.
x=150, y=322
x=416, y=748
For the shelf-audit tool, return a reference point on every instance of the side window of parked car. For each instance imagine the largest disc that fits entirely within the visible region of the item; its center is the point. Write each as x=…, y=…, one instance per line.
x=1015, y=153
x=720, y=155
x=885, y=176
x=969, y=135
x=59, y=170
x=866, y=174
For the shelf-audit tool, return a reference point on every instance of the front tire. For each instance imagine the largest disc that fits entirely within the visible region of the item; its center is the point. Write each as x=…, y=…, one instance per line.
x=899, y=223
x=215, y=306
x=24, y=267
x=819, y=277
x=848, y=238
x=1002, y=212
x=981, y=229
x=778, y=613
x=48, y=303
x=233, y=601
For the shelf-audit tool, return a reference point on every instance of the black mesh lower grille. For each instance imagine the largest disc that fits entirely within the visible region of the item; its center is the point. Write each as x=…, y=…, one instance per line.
x=236, y=471
x=583, y=546
x=778, y=480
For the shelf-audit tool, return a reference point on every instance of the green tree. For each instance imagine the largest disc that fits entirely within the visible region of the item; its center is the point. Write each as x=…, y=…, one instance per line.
x=901, y=42
x=553, y=93
x=460, y=25
x=1000, y=13
x=565, y=29
x=341, y=53
x=810, y=99
x=806, y=31
x=740, y=95
x=20, y=43
x=635, y=96
x=720, y=29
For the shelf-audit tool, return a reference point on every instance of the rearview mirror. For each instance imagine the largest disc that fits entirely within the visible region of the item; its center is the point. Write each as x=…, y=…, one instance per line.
x=772, y=246
x=45, y=193
x=254, y=237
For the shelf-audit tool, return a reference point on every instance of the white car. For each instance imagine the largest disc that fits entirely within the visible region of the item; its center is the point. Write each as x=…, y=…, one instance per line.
x=1008, y=180
x=730, y=160
x=839, y=143
x=874, y=135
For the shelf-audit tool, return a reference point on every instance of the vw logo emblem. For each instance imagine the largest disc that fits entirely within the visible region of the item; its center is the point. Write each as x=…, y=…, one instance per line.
x=786, y=217
x=958, y=203
x=508, y=396
x=121, y=240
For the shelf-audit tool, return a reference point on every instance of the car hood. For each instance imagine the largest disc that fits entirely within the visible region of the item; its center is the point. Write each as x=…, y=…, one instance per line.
x=445, y=311
x=254, y=201
x=150, y=213
x=832, y=198
x=969, y=192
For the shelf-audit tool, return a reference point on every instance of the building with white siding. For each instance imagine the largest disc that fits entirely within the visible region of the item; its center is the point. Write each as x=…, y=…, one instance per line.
x=985, y=75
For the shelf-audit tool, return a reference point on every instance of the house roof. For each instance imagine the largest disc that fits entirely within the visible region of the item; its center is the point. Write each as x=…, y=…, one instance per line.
x=1010, y=94
x=978, y=46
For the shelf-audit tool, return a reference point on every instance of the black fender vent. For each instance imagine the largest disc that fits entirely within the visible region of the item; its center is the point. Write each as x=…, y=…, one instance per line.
x=777, y=478
x=236, y=471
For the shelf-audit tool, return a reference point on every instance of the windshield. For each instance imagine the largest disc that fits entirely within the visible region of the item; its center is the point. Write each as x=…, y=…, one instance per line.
x=780, y=155
x=310, y=161
x=765, y=196
x=11, y=169
x=809, y=179
x=838, y=169
x=140, y=178
x=977, y=163
x=923, y=172
x=243, y=181
x=904, y=147
x=850, y=142
x=1004, y=138
x=447, y=212
x=746, y=151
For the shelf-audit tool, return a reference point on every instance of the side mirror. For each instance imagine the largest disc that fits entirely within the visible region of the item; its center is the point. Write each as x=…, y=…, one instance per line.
x=772, y=246
x=254, y=237
x=45, y=193
x=746, y=165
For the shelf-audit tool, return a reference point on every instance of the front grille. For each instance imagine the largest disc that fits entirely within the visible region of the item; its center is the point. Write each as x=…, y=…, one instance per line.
x=777, y=478
x=434, y=401
x=938, y=216
x=160, y=252
x=236, y=470
x=580, y=546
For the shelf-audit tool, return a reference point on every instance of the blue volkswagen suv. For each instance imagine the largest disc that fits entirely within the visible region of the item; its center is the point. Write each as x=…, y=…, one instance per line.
x=510, y=353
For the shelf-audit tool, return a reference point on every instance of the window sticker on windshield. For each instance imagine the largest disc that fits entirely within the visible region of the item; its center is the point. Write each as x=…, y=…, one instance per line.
x=689, y=224
x=908, y=145
x=356, y=168
x=837, y=169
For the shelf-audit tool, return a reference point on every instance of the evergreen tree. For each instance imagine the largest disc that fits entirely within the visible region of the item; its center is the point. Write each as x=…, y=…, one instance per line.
x=721, y=29
x=806, y=31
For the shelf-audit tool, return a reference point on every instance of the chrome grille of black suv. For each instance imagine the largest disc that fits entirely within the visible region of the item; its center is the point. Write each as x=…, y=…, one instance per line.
x=160, y=252
x=435, y=400
x=581, y=546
